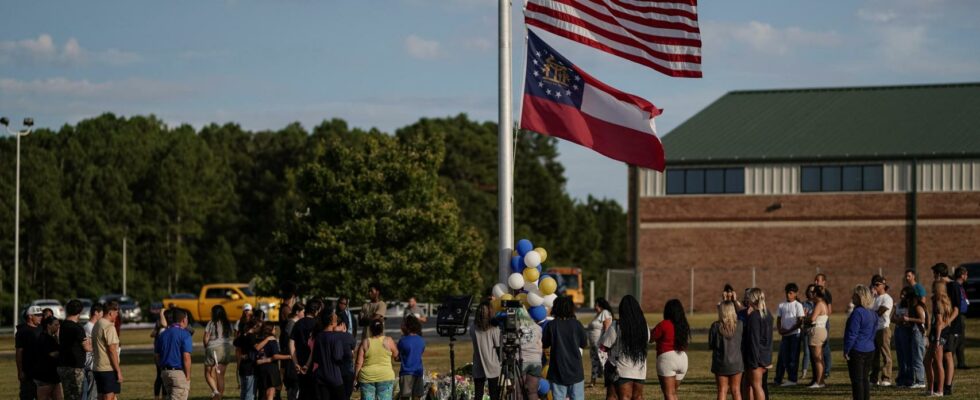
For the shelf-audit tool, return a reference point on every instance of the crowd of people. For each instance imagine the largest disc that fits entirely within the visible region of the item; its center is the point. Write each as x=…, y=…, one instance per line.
x=312, y=352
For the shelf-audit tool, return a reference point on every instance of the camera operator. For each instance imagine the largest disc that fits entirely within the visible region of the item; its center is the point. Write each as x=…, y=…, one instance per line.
x=486, y=341
x=531, y=353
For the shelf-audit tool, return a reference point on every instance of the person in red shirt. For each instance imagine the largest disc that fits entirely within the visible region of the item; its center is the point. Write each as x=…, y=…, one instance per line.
x=672, y=336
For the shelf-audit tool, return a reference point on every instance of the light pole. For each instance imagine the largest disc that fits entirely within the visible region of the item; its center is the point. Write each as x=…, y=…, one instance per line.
x=28, y=126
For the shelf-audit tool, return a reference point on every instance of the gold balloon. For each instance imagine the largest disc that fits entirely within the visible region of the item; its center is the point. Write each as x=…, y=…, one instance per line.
x=507, y=296
x=531, y=274
x=547, y=285
x=522, y=297
x=543, y=253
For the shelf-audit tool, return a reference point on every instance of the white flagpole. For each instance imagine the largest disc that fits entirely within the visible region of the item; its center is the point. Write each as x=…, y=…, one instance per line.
x=505, y=157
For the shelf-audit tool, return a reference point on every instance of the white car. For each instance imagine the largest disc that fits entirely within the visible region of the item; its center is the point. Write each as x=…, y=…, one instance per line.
x=54, y=305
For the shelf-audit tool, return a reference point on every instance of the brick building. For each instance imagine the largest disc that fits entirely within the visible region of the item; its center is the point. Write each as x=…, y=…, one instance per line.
x=773, y=186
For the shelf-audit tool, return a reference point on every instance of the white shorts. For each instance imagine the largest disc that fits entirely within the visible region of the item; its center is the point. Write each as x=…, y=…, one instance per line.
x=672, y=364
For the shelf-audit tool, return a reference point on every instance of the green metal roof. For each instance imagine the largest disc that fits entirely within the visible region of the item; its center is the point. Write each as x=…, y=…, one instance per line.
x=832, y=124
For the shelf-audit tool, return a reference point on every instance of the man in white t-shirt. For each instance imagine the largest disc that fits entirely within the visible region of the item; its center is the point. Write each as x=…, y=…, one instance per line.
x=881, y=364
x=789, y=319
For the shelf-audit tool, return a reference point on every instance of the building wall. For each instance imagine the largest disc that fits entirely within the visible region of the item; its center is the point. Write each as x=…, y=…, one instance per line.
x=790, y=237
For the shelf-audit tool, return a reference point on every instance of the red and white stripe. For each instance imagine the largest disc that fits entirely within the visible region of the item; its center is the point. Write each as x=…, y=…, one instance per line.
x=663, y=35
x=614, y=123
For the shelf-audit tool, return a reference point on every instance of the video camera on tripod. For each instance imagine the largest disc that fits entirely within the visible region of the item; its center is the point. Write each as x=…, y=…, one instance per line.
x=510, y=330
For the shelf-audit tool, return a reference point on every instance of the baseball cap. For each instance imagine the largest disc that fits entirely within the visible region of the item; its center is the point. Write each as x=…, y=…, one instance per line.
x=34, y=310
x=247, y=307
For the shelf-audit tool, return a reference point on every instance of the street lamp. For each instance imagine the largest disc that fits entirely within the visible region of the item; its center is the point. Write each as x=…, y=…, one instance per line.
x=28, y=126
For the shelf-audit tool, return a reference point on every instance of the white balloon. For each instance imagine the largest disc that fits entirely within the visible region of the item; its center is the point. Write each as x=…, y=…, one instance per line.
x=549, y=300
x=516, y=281
x=534, y=298
x=531, y=287
x=532, y=259
x=499, y=290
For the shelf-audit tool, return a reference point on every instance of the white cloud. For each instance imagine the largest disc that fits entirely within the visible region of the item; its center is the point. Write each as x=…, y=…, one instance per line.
x=478, y=43
x=44, y=51
x=877, y=15
x=63, y=88
x=762, y=37
x=422, y=49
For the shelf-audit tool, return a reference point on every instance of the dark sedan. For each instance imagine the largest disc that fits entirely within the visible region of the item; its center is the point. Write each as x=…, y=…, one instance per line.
x=972, y=286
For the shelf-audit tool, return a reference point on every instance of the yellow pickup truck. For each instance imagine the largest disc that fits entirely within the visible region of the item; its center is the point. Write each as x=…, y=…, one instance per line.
x=233, y=296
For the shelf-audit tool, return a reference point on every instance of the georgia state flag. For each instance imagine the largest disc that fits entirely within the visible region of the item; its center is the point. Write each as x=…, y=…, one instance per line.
x=563, y=101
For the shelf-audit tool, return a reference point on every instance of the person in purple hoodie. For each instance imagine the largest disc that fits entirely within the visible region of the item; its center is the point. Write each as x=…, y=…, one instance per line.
x=859, y=342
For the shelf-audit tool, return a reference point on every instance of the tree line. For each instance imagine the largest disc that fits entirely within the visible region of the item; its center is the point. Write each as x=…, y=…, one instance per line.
x=333, y=208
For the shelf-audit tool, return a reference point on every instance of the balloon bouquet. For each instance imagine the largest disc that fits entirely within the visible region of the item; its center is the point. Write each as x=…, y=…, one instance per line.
x=526, y=283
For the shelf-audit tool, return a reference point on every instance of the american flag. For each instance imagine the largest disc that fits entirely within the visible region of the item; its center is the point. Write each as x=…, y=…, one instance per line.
x=663, y=35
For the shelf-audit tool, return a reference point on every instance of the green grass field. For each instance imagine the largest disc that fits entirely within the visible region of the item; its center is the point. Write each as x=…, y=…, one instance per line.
x=699, y=384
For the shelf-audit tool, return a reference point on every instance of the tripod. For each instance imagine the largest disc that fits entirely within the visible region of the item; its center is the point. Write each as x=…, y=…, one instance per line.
x=452, y=368
x=511, y=380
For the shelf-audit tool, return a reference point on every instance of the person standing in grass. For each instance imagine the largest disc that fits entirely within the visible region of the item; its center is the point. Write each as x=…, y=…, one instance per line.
x=942, y=315
x=566, y=338
x=859, y=342
x=373, y=368
x=672, y=335
x=881, y=364
x=789, y=319
x=725, y=342
x=910, y=332
x=757, y=344
x=818, y=337
x=218, y=350
x=603, y=320
x=486, y=357
x=172, y=350
x=411, y=346
x=105, y=343
x=626, y=342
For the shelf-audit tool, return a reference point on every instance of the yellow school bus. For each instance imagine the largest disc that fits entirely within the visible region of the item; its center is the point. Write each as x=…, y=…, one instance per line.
x=570, y=282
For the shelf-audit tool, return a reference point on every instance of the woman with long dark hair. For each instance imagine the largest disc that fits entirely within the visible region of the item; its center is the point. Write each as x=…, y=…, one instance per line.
x=910, y=333
x=218, y=350
x=486, y=340
x=942, y=311
x=756, y=343
x=818, y=336
x=626, y=342
x=725, y=342
x=566, y=338
x=600, y=323
x=672, y=335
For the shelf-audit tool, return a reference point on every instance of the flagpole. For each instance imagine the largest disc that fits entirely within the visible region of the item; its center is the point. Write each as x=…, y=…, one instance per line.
x=505, y=163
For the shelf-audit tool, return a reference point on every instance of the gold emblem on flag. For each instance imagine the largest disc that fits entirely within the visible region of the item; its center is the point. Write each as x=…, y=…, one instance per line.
x=555, y=72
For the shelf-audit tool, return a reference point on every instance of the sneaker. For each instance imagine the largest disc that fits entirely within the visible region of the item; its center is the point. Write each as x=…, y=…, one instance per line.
x=816, y=386
x=788, y=384
x=918, y=386
x=884, y=383
x=937, y=394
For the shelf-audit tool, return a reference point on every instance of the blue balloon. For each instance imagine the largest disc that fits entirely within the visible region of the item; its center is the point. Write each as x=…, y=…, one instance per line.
x=524, y=246
x=538, y=313
x=543, y=387
x=517, y=264
x=539, y=267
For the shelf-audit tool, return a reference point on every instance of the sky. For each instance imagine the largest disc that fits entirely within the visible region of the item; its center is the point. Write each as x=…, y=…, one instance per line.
x=387, y=63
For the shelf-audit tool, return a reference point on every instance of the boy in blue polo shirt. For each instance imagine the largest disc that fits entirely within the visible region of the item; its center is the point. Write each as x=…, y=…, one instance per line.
x=410, y=349
x=172, y=351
